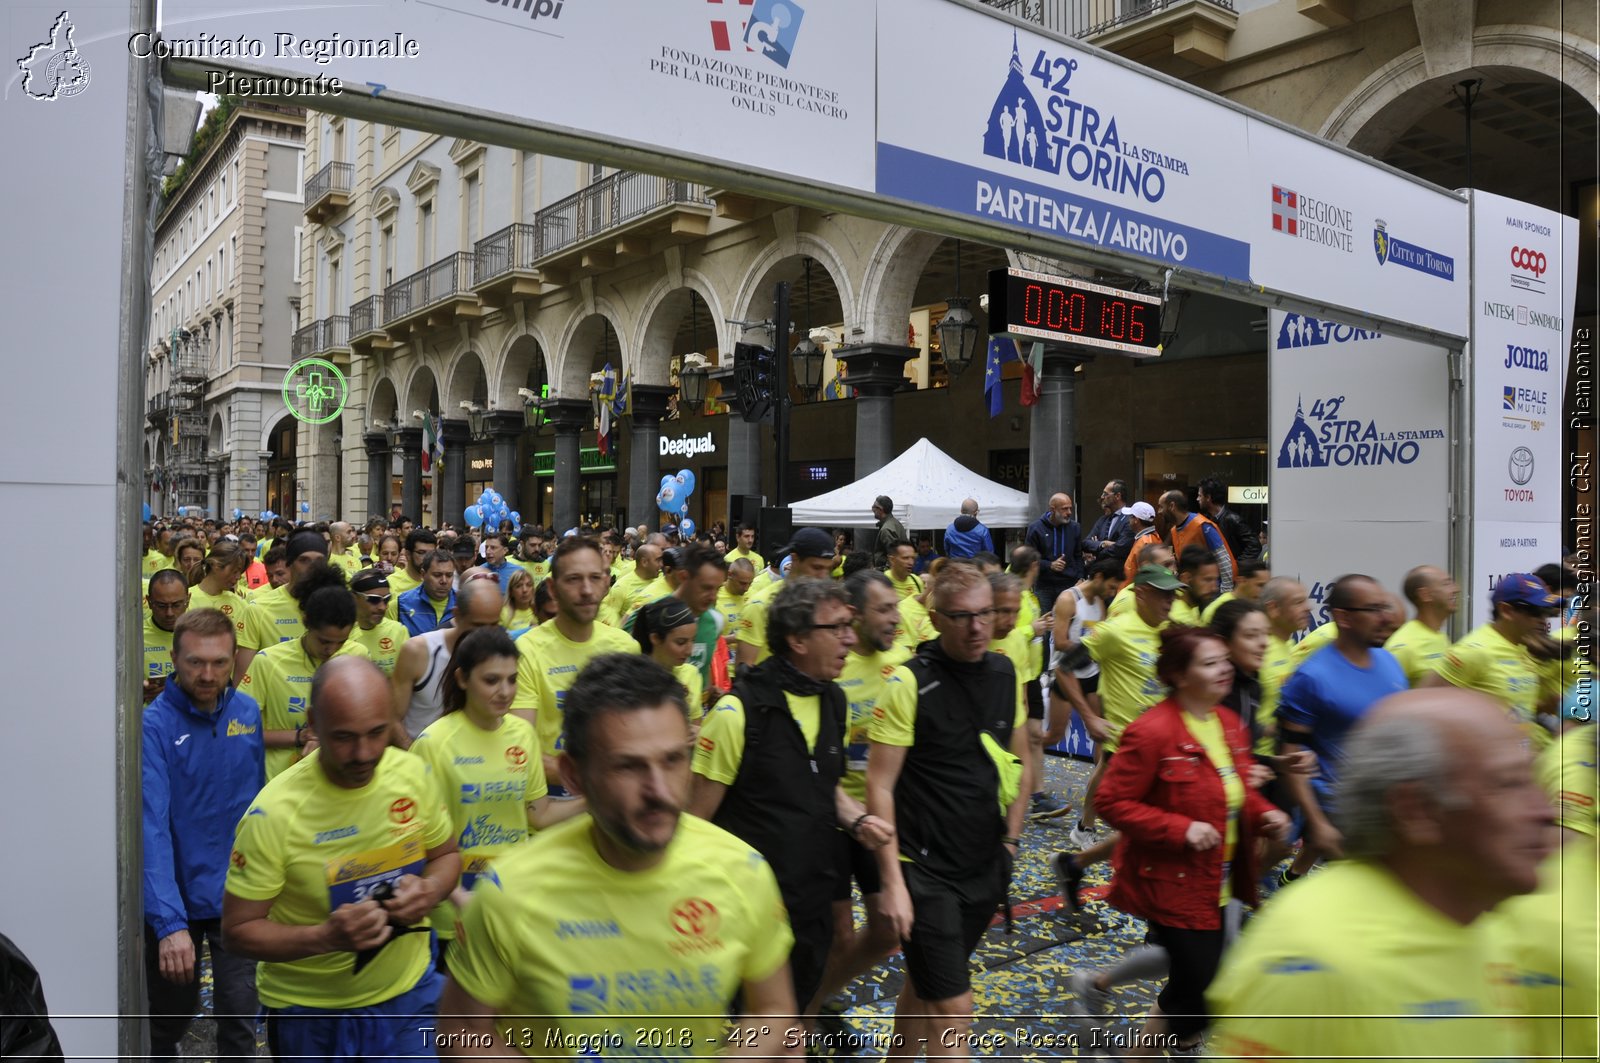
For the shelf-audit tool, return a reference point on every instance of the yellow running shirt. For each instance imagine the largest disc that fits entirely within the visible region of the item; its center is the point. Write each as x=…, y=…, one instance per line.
x=400, y=582
x=1316, y=638
x=1419, y=649
x=1216, y=603
x=574, y=955
x=157, y=650
x=1276, y=668
x=753, y=621
x=1485, y=661
x=1567, y=775
x=1122, y=602
x=863, y=680
x=1017, y=648
x=273, y=617
x=1351, y=965
x=916, y=627
x=1125, y=648
x=1184, y=613
x=1209, y=734
x=910, y=587
x=314, y=847
x=689, y=675
x=731, y=606
x=548, y=663
x=1550, y=942
x=720, y=749
x=279, y=678
x=382, y=642
x=487, y=780
x=615, y=604
x=755, y=559
x=231, y=605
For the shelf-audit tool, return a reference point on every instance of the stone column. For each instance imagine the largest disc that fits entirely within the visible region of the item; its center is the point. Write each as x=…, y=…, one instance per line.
x=213, y=491
x=452, y=497
x=1052, y=443
x=507, y=427
x=744, y=446
x=378, y=476
x=569, y=417
x=409, y=442
x=874, y=370
x=644, y=461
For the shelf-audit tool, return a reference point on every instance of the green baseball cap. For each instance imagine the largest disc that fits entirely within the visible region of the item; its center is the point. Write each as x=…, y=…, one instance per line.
x=1158, y=577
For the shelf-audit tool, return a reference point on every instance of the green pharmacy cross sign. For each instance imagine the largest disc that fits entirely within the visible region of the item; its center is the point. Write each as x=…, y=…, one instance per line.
x=314, y=390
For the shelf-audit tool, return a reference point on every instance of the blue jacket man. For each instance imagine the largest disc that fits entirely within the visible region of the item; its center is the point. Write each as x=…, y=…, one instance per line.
x=1058, y=539
x=966, y=535
x=204, y=759
x=415, y=610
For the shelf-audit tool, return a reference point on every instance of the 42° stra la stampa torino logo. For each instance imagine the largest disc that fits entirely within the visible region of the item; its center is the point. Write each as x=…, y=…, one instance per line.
x=54, y=69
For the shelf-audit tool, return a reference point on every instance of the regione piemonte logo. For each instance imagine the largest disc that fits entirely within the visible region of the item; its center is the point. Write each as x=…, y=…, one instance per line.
x=54, y=69
x=1285, y=211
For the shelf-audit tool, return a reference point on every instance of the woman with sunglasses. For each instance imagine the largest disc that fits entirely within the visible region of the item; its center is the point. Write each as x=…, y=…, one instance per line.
x=487, y=763
x=665, y=632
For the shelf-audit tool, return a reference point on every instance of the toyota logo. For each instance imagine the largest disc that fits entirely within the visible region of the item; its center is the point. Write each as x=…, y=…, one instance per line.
x=1521, y=466
x=1529, y=259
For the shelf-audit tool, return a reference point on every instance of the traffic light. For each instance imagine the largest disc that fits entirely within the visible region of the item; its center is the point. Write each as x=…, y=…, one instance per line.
x=755, y=376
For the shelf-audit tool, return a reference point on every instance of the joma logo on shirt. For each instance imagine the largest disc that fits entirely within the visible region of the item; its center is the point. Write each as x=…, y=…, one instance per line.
x=335, y=834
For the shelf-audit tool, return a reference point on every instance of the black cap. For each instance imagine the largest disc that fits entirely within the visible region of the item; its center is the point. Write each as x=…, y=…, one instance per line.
x=306, y=542
x=810, y=542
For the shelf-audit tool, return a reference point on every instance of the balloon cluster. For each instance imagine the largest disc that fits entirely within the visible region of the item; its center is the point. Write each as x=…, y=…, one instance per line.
x=673, y=498
x=491, y=510
x=267, y=514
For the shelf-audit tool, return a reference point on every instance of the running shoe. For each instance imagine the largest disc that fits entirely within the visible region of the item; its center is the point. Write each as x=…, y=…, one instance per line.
x=1092, y=1001
x=1044, y=806
x=1069, y=878
x=1081, y=836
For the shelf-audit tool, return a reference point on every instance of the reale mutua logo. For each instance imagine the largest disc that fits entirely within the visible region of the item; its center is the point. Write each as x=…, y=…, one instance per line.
x=54, y=69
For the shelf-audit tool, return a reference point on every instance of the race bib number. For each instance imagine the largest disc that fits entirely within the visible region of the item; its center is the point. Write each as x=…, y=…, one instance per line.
x=351, y=879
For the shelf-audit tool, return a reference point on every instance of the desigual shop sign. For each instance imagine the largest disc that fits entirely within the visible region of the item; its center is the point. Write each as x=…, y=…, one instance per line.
x=688, y=446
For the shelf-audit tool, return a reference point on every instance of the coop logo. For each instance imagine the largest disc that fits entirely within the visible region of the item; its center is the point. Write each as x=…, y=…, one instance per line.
x=54, y=69
x=1529, y=262
x=1389, y=248
x=1329, y=436
x=1069, y=135
x=1298, y=330
x=1314, y=220
x=771, y=30
x=1527, y=358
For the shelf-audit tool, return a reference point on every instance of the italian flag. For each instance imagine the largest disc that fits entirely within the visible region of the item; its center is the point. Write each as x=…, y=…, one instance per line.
x=430, y=442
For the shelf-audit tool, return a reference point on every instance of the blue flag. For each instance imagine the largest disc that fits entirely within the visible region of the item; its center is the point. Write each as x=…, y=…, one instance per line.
x=1001, y=349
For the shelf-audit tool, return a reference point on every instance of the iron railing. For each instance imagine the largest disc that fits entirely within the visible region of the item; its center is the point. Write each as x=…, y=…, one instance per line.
x=614, y=200
x=1088, y=18
x=331, y=333
x=334, y=177
x=516, y=247
x=366, y=316
x=451, y=275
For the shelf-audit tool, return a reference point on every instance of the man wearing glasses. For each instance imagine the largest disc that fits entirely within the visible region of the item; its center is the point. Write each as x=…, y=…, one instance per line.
x=948, y=744
x=770, y=758
x=1327, y=696
x=1494, y=659
x=168, y=599
x=381, y=636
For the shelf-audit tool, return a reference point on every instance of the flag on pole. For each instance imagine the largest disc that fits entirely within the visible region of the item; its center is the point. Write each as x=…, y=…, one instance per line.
x=1001, y=349
x=1032, y=373
x=430, y=442
x=622, y=400
x=606, y=386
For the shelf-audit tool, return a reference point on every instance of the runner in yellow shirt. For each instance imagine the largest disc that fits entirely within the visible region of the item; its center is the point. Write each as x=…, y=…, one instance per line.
x=486, y=763
x=1567, y=773
x=335, y=867
x=1151, y=553
x=221, y=572
x=811, y=557
x=342, y=552
x=553, y=653
x=1420, y=643
x=902, y=559
x=1199, y=572
x=280, y=676
x=745, y=550
x=634, y=588
x=629, y=930
x=731, y=600
x=274, y=616
x=518, y=615
x=1494, y=658
x=664, y=630
x=167, y=599
x=381, y=637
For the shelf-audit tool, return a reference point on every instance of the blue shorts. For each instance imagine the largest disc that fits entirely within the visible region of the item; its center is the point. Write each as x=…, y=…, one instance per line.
x=398, y=1028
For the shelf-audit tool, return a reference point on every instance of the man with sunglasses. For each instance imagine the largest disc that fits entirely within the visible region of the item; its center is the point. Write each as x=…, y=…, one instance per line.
x=381, y=636
x=1328, y=695
x=1494, y=658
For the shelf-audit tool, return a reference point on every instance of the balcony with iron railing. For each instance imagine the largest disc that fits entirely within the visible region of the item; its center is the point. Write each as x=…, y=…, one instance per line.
x=157, y=406
x=621, y=216
x=1175, y=36
x=436, y=295
x=331, y=335
x=328, y=190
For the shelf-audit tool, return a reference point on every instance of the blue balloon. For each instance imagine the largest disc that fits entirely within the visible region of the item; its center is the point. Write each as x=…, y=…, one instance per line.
x=516, y=518
x=146, y=511
x=686, y=527
x=667, y=478
x=685, y=480
x=667, y=498
x=305, y=507
x=237, y=512
x=473, y=516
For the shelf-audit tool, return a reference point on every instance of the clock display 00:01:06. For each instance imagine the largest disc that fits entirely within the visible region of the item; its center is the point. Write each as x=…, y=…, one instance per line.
x=1031, y=305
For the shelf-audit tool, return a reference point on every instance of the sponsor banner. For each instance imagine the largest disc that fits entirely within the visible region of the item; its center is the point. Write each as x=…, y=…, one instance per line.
x=1525, y=263
x=696, y=77
x=1503, y=547
x=1337, y=229
x=1317, y=552
x=1359, y=453
x=1055, y=138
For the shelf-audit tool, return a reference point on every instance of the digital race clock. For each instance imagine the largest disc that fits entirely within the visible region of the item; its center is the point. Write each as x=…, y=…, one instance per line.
x=1036, y=306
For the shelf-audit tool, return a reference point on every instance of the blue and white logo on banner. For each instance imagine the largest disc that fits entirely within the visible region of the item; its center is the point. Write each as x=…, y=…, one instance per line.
x=773, y=28
x=1390, y=249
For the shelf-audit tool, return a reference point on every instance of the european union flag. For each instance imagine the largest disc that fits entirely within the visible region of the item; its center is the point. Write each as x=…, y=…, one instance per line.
x=1001, y=349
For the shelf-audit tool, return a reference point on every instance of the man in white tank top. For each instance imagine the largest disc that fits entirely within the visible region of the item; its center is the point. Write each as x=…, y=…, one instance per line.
x=1075, y=676
x=417, y=686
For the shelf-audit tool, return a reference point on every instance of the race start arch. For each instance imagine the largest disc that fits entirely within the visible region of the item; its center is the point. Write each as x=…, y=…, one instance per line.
x=1038, y=143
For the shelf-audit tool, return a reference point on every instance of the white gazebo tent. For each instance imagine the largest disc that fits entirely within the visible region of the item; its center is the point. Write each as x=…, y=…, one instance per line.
x=927, y=486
